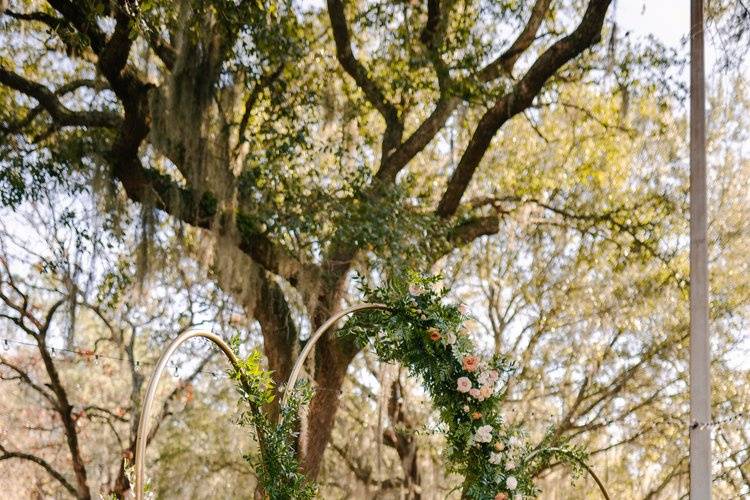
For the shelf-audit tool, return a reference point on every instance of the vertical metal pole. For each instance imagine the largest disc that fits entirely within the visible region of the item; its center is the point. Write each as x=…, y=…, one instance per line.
x=700, y=354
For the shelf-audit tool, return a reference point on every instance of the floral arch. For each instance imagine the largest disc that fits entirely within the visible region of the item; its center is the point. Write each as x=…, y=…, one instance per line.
x=405, y=321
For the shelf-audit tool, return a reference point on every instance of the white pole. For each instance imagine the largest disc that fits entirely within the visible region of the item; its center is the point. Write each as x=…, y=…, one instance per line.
x=700, y=354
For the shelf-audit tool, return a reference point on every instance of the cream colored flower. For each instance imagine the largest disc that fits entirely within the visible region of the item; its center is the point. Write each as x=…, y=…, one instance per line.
x=488, y=377
x=483, y=434
x=511, y=483
x=496, y=458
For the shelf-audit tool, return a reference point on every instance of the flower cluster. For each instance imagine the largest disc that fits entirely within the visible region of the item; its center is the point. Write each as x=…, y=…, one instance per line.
x=428, y=336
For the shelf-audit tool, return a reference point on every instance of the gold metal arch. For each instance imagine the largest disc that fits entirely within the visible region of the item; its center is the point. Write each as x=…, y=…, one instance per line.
x=148, y=399
x=161, y=365
x=314, y=339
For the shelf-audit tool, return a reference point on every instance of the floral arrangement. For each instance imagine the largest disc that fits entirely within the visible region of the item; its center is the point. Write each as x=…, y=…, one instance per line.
x=428, y=336
x=423, y=332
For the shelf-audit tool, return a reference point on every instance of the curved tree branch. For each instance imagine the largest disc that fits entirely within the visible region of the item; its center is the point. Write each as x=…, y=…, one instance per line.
x=7, y=455
x=394, y=127
x=522, y=95
x=505, y=62
x=47, y=99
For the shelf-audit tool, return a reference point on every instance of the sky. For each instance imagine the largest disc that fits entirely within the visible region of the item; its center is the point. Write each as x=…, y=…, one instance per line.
x=668, y=20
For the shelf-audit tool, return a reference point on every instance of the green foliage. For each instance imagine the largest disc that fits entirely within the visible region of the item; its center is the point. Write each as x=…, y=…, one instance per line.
x=423, y=333
x=308, y=212
x=275, y=462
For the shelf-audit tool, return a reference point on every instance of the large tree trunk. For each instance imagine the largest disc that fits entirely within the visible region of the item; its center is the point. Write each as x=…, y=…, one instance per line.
x=332, y=358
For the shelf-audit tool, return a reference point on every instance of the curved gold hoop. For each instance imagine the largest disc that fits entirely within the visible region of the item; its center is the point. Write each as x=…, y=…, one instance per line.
x=314, y=339
x=143, y=427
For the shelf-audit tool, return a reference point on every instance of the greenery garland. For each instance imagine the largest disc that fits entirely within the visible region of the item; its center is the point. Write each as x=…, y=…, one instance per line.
x=424, y=333
x=274, y=462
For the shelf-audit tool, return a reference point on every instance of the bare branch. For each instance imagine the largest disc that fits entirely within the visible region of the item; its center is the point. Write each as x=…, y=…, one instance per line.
x=6, y=455
x=165, y=408
x=24, y=377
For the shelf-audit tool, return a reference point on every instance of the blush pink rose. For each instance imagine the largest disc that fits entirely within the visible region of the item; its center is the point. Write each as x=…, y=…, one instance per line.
x=486, y=391
x=463, y=384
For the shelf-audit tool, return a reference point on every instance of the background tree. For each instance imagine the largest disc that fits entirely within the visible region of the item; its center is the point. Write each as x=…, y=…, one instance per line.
x=592, y=304
x=221, y=116
x=89, y=334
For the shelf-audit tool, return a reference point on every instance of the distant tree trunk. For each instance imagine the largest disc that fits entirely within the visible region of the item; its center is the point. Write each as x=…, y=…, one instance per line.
x=399, y=436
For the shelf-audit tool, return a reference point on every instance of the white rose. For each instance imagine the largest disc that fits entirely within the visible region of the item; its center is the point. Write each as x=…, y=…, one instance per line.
x=463, y=384
x=496, y=458
x=483, y=434
x=450, y=339
x=511, y=483
x=510, y=465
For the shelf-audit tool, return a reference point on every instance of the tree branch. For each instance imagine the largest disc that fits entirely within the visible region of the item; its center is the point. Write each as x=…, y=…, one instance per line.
x=6, y=455
x=418, y=140
x=54, y=22
x=84, y=22
x=24, y=377
x=522, y=95
x=263, y=83
x=63, y=116
x=394, y=128
x=471, y=229
x=505, y=62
